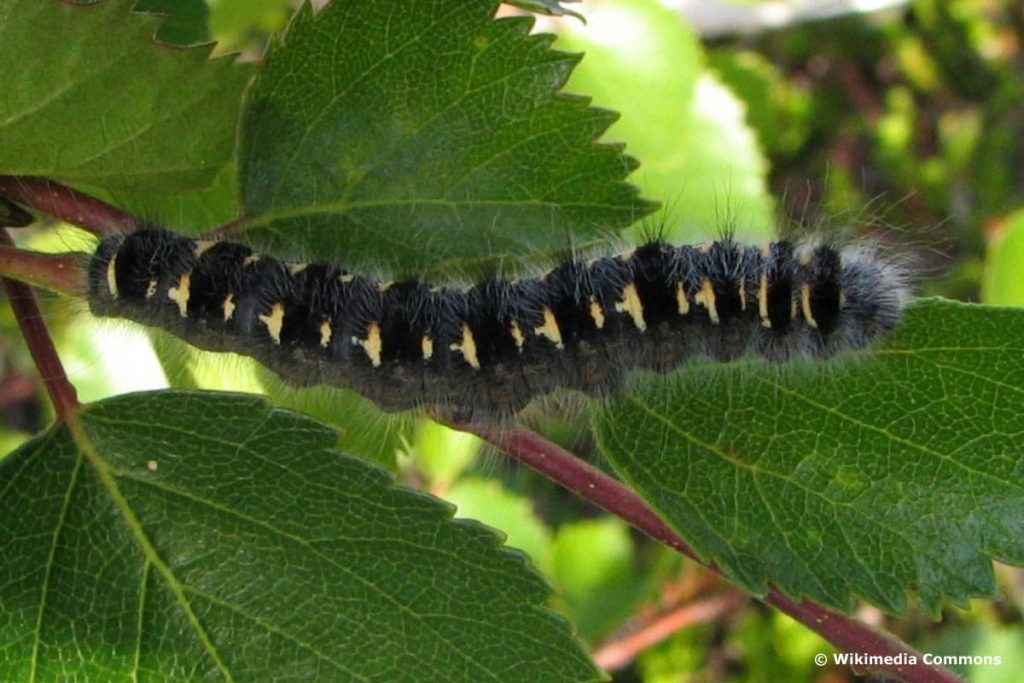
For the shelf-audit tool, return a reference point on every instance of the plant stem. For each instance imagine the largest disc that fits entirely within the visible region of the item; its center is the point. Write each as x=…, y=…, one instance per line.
x=40, y=344
x=71, y=206
x=61, y=273
x=845, y=633
x=617, y=653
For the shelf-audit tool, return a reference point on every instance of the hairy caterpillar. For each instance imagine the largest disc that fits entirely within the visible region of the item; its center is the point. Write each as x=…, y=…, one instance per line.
x=489, y=349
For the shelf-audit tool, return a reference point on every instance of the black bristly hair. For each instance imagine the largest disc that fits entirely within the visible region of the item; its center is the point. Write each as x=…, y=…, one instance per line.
x=489, y=349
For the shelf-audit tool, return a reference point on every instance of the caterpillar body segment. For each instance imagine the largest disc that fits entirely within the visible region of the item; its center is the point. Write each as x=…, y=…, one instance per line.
x=491, y=348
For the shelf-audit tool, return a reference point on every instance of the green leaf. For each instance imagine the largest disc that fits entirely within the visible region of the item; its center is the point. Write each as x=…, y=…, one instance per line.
x=90, y=97
x=891, y=471
x=699, y=155
x=401, y=131
x=209, y=536
x=552, y=8
x=1003, y=283
x=186, y=23
x=192, y=213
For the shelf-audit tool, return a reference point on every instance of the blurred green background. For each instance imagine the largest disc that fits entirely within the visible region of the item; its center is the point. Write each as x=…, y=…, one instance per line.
x=904, y=124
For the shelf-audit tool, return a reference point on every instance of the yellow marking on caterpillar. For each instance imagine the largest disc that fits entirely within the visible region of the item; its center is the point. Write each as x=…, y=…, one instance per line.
x=151, y=288
x=631, y=304
x=203, y=246
x=762, y=301
x=517, y=335
x=684, y=303
x=325, y=333
x=596, y=312
x=180, y=294
x=384, y=286
x=467, y=347
x=762, y=290
x=112, y=277
x=250, y=259
x=274, y=322
x=743, y=295
x=297, y=268
x=427, y=345
x=373, y=344
x=706, y=298
x=626, y=255
x=805, y=304
x=550, y=329
x=228, y=307
x=346, y=278
x=804, y=257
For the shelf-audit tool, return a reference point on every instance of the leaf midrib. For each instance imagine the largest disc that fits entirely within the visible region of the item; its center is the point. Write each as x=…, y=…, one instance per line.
x=85, y=444
x=416, y=617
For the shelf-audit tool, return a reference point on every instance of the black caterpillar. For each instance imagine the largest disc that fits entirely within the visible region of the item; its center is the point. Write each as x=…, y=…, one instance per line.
x=489, y=349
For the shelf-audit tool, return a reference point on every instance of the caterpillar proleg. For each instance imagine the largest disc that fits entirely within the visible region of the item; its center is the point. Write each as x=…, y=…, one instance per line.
x=489, y=349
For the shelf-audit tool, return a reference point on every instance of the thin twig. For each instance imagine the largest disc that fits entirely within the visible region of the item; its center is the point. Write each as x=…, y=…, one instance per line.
x=846, y=633
x=40, y=344
x=71, y=206
x=61, y=273
x=616, y=654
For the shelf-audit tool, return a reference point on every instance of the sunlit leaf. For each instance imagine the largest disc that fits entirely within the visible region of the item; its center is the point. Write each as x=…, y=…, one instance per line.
x=895, y=472
x=409, y=131
x=188, y=536
x=134, y=116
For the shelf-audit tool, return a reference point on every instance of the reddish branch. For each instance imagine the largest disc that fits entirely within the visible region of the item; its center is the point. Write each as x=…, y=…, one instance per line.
x=57, y=272
x=618, y=653
x=40, y=344
x=68, y=205
x=846, y=633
